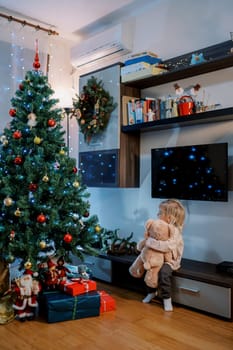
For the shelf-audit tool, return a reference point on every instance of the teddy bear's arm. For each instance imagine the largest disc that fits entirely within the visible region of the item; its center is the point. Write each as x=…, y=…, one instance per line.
x=141, y=244
x=161, y=246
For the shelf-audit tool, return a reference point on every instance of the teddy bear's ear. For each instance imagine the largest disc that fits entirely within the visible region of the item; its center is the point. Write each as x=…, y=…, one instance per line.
x=148, y=224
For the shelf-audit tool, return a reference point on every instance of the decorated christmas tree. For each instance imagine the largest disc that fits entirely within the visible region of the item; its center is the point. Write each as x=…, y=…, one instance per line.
x=44, y=207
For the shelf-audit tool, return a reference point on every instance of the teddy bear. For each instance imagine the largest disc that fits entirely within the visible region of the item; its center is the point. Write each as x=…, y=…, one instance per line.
x=150, y=261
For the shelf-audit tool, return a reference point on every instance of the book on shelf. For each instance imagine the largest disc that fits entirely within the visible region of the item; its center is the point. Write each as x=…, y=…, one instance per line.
x=136, y=67
x=147, y=56
x=144, y=73
x=128, y=116
x=144, y=53
x=139, y=110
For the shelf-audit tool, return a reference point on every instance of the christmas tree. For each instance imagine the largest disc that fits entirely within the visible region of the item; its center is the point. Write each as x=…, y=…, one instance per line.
x=44, y=207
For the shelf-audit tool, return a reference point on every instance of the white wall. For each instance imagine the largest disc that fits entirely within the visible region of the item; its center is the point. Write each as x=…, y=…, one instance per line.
x=172, y=28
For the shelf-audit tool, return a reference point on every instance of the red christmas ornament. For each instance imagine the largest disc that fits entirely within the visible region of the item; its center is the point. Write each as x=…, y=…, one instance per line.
x=21, y=87
x=75, y=170
x=86, y=214
x=68, y=238
x=51, y=122
x=12, y=112
x=32, y=187
x=18, y=160
x=17, y=134
x=41, y=218
x=36, y=63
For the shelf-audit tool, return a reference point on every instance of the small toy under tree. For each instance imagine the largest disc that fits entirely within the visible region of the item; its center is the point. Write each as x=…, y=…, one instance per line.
x=44, y=206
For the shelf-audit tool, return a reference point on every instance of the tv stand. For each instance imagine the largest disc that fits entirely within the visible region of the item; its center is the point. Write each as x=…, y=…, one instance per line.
x=196, y=284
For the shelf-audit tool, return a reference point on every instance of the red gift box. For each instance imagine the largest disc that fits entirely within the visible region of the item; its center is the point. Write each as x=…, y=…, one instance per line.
x=107, y=303
x=79, y=286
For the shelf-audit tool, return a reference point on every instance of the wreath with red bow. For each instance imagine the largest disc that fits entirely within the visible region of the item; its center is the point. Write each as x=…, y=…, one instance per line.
x=93, y=108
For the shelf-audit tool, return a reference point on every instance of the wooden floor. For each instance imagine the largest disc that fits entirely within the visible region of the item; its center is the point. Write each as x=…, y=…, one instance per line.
x=133, y=325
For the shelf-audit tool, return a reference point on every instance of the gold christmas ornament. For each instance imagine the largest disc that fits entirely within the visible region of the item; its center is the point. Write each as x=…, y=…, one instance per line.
x=62, y=152
x=43, y=244
x=97, y=229
x=37, y=140
x=17, y=212
x=45, y=178
x=28, y=265
x=76, y=184
x=8, y=201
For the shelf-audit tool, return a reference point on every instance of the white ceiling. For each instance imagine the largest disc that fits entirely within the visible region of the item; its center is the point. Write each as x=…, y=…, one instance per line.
x=74, y=19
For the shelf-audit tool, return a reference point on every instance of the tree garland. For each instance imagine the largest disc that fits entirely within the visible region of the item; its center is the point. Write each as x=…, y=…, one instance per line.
x=93, y=108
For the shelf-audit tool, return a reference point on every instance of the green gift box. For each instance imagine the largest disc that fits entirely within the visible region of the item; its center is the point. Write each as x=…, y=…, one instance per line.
x=63, y=307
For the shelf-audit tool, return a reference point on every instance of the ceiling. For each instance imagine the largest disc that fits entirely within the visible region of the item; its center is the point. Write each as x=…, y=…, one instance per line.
x=74, y=20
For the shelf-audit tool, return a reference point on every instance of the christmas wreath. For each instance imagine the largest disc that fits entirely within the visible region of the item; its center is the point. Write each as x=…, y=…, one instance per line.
x=93, y=108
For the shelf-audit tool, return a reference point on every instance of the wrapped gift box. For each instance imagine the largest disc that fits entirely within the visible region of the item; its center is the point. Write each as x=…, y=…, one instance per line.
x=42, y=301
x=107, y=303
x=79, y=286
x=63, y=307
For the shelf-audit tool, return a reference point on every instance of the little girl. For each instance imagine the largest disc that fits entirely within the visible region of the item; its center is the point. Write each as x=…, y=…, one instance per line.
x=172, y=212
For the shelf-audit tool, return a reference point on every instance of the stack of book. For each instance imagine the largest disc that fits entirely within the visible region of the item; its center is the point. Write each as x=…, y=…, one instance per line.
x=142, y=65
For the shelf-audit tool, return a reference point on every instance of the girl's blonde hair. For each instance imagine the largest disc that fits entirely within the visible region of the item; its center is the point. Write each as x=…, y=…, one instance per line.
x=173, y=209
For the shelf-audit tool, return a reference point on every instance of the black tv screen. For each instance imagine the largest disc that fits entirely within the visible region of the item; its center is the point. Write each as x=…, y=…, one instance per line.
x=197, y=172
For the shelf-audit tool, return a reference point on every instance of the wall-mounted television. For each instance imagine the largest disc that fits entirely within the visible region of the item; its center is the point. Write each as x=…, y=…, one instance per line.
x=196, y=172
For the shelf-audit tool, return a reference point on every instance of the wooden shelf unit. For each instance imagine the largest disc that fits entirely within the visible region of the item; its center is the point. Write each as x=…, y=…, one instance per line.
x=219, y=56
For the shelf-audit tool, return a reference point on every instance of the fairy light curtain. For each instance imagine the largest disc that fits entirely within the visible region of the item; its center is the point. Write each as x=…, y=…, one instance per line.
x=17, y=47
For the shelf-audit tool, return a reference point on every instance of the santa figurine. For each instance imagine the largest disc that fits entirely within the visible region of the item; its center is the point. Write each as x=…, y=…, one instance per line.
x=26, y=290
x=51, y=276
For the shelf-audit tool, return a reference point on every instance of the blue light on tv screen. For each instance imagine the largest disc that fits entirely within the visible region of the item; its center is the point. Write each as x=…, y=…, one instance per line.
x=197, y=172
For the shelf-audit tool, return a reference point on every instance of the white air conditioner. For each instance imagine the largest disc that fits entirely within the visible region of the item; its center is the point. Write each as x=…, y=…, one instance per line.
x=112, y=43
